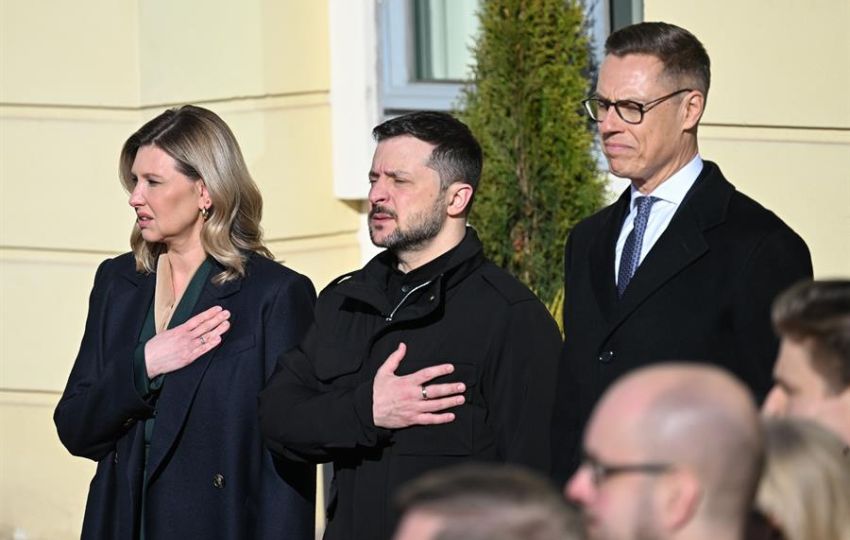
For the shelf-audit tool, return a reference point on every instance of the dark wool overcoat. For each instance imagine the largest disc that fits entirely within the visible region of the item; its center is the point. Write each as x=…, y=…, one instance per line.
x=702, y=293
x=208, y=473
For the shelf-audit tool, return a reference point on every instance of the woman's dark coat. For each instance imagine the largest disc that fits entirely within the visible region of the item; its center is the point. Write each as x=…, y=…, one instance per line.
x=209, y=475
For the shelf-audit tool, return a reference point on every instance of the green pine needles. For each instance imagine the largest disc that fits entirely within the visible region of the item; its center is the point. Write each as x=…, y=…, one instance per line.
x=540, y=175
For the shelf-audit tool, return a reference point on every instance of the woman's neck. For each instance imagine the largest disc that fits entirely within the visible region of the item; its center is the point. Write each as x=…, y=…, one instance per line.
x=184, y=263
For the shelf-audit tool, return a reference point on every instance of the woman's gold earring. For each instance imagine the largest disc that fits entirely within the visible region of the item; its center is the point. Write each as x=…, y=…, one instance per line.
x=205, y=213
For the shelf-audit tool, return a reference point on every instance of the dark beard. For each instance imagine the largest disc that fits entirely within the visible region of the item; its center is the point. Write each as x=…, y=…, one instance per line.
x=424, y=227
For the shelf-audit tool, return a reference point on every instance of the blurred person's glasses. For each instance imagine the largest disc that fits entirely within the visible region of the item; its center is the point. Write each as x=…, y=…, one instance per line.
x=601, y=471
x=630, y=111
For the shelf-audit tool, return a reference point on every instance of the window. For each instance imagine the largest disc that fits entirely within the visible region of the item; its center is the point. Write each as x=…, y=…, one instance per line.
x=425, y=52
x=426, y=47
x=625, y=12
x=444, y=37
x=605, y=16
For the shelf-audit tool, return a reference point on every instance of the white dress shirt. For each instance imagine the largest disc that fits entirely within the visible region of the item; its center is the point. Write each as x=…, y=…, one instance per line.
x=670, y=194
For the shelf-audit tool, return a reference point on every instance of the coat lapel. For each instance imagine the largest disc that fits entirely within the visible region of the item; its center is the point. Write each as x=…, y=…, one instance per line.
x=181, y=386
x=602, y=257
x=682, y=243
x=136, y=294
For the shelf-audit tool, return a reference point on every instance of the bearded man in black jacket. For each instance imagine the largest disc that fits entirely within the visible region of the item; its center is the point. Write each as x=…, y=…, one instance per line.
x=428, y=356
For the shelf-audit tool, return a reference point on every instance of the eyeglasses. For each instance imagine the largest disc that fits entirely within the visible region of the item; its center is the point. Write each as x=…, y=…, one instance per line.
x=630, y=111
x=600, y=472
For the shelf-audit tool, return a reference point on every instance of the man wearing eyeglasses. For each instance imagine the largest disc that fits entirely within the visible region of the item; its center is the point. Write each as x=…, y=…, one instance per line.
x=671, y=452
x=682, y=265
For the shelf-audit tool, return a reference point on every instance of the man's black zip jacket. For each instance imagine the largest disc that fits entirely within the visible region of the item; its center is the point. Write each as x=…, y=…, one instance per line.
x=461, y=309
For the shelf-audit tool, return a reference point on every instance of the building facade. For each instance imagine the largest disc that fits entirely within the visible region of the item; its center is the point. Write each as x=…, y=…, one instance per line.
x=302, y=84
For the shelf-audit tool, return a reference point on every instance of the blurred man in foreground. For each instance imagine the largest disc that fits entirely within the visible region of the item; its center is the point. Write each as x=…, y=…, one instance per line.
x=484, y=502
x=812, y=372
x=672, y=451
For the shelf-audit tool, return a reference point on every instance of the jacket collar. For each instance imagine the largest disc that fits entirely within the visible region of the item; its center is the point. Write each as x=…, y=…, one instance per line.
x=228, y=288
x=683, y=242
x=135, y=278
x=708, y=199
x=368, y=284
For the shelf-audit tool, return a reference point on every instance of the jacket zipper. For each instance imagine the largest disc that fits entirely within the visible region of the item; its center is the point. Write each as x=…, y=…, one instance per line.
x=411, y=291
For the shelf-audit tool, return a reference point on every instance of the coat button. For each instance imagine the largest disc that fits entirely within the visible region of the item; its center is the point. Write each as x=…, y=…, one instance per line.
x=431, y=298
x=405, y=288
x=115, y=457
x=128, y=423
x=606, y=357
x=218, y=481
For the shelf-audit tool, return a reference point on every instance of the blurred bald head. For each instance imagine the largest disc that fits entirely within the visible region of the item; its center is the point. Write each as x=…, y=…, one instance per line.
x=683, y=450
x=701, y=418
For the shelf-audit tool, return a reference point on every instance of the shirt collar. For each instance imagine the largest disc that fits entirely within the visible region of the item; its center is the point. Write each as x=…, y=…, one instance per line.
x=674, y=189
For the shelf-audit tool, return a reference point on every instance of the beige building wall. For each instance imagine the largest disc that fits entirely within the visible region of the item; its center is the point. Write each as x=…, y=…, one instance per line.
x=777, y=120
x=76, y=78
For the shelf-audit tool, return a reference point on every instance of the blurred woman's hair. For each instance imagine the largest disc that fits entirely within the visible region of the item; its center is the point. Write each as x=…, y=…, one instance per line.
x=204, y=148
x=805, y=488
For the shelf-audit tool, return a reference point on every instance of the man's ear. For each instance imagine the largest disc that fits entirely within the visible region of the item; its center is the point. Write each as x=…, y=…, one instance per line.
x=694, y=106
x=458, y=196
x=680, y=499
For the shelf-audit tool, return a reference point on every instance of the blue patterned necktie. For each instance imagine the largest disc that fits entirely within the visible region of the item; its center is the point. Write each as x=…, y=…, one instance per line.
x=631, y=250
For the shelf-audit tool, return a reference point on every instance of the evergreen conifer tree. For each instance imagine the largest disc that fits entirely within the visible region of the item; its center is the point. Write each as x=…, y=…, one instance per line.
x=533, y=65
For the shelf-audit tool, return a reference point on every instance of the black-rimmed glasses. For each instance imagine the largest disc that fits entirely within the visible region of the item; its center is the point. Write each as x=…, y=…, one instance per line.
x=630, y=111
x=600, y=471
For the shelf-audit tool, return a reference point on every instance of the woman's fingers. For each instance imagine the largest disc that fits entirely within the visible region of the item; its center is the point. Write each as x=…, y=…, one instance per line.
x=206, y=343
x=203, y=316
x=206, y=321
x=182, y=345
x=213, y=335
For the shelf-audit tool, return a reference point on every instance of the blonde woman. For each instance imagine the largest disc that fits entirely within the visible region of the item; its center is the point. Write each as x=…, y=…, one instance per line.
x=805, y=488
x=181, y=335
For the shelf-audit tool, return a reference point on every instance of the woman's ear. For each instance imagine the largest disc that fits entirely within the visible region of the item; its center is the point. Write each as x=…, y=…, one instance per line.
x=204, y=199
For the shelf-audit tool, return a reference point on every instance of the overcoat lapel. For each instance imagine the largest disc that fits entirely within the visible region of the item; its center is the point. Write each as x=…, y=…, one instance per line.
x=682, y=243
x=135, y=298
x=602, y=252
x=181, y=386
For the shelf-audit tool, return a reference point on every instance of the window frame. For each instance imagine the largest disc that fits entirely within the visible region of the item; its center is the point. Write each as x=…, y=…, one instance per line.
x=399, y=92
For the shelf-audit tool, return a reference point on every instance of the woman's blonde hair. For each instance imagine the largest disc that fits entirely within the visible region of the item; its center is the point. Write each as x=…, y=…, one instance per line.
x=203, y=148
x=805, y=488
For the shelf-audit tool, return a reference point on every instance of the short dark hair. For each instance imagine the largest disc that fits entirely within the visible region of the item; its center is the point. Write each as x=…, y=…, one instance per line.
x=680, y=51
x=818, y=312
x=456, y=156
x=480, y=501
